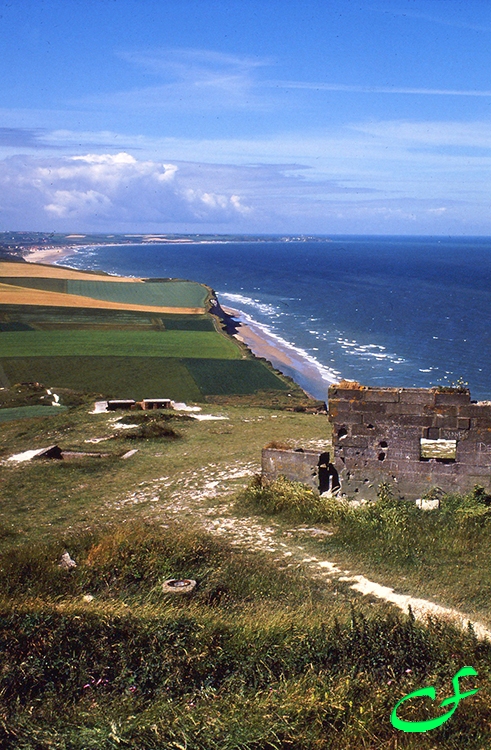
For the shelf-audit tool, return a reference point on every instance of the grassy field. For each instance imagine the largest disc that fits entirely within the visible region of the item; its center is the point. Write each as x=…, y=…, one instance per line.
x=172, y=343
x=156, y=293
x=11, y=294
x=120, y=339
x=27, y=412
x=13, y=317
x=260, y=656
x=151, y=293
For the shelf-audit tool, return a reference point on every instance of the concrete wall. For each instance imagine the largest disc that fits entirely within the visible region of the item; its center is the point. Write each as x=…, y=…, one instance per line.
x=377, y=434
x=299, y=466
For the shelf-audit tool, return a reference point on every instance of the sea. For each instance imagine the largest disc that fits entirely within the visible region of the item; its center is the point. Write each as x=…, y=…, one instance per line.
x=381, y=310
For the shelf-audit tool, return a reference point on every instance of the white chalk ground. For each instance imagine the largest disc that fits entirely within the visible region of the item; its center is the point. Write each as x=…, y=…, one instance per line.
x=203, y=495
x=26, y=455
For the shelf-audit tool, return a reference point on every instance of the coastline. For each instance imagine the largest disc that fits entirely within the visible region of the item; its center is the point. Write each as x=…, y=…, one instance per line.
x=312, y=377
x=50, y=255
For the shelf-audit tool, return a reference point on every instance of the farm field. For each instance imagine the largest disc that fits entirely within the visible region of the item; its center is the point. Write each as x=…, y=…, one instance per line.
x=23, y=270
x=191, y=344
x=151, y=294
x=11, y=294
x=115, y=338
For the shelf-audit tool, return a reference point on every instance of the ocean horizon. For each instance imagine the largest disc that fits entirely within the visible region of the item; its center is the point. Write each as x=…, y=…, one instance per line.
x=382, y=310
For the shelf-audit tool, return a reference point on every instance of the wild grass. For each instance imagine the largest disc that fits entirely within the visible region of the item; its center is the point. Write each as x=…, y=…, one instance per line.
x=40, y=497
x=441, y=554
x=255, y=657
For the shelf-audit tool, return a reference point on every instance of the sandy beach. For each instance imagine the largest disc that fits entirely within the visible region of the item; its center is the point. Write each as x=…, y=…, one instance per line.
x=284, y=358
x=49, y=254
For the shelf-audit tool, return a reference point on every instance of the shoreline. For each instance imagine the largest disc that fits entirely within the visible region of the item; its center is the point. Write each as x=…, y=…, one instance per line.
x=287, y=359
x=282, y=356
x=49, y=255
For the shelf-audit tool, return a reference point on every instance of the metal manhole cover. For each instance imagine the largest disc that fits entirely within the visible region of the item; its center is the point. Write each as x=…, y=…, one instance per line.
x=178, y=585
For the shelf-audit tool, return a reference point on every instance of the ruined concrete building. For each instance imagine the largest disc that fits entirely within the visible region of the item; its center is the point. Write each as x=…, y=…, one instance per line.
x=415, y=439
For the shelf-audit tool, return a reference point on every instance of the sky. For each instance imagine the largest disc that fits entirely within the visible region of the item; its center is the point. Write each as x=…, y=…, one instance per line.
x=246, y=116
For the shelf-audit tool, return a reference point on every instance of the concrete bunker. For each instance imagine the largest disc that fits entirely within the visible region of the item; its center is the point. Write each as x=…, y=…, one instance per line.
x=310, y=467
x=414, y=439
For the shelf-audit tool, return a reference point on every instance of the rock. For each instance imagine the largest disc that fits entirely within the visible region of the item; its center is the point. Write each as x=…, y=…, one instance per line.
x=66, y=562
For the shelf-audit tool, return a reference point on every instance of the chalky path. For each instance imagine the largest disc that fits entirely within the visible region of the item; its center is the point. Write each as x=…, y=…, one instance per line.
x=204, y=495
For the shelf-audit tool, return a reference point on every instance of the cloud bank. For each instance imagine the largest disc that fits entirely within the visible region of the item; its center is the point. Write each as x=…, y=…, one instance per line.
x=107, y=190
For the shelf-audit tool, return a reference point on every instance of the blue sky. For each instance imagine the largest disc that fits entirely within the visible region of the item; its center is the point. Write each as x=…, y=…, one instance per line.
x=253, y=116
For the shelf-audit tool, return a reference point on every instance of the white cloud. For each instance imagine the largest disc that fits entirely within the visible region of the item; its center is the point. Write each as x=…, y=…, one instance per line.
x=97, y=190
x=321, y=86
x=190, y=80
x=349, y=193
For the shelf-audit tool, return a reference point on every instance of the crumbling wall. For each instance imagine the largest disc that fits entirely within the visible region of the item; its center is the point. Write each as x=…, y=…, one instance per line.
x=377, y=435
x=299, y=466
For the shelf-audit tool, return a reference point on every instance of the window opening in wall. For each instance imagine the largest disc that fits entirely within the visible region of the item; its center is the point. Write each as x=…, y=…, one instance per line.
x=383, y=444
x=440, y=450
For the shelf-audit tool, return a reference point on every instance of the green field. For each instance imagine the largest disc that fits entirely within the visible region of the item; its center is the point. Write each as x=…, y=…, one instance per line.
x=26, y=317
x=142, y=377
x=209, y=344
x=26, y=412
x=159, y=293
x=221, y=377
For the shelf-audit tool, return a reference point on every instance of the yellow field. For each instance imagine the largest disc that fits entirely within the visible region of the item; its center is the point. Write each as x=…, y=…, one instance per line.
x=18, y=270
x=18, y=295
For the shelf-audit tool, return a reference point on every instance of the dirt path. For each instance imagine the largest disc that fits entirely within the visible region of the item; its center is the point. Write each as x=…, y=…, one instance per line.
x=204, y=495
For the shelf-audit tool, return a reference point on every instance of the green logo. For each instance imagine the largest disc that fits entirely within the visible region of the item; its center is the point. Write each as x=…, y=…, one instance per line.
x=430, y=692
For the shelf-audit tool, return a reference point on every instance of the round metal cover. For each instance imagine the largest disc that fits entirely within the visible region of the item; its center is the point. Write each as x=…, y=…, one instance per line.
x=178, y=585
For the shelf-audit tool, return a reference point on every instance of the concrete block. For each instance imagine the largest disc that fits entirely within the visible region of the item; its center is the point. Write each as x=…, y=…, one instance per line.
x=476, y=411
x=407, y=408
x=411, y=421
x=449, y=435
x=354, y=442
x=463, y=423
x=350, y=394
x=340, y=407
x=386, y=395
x=448, y=423
x=371, y=407
x=416, y=396
x=458, y=399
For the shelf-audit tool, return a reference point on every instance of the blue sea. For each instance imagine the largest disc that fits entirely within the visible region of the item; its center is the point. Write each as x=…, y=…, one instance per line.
x=387, y=311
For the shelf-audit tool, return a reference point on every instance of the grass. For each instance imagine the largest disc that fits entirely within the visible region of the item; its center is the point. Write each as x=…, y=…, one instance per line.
x=156, y=293
x=172, y=343
x=259, y=657
x=256, y=657
x=441, y=554
x=27, y=412
x=42, y=496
